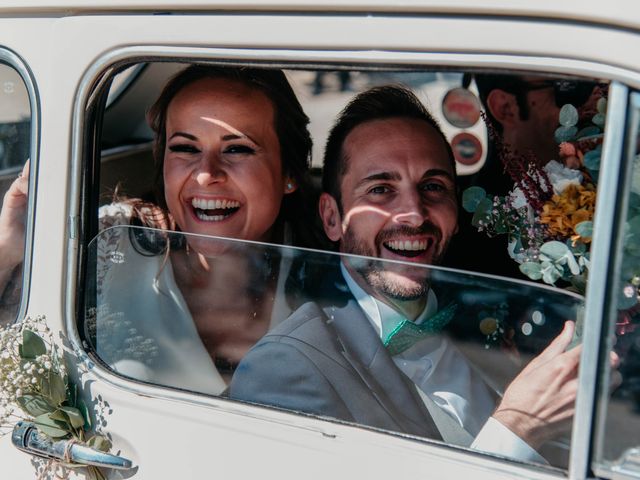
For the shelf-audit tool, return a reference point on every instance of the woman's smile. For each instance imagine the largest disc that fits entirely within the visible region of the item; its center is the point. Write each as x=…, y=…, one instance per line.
x=214, y=210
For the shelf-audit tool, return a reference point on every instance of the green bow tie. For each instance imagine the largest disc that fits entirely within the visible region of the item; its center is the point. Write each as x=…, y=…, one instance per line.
x=407, y=333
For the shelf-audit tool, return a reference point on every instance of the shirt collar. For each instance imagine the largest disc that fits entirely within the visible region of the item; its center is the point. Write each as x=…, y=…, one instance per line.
x=384, y=318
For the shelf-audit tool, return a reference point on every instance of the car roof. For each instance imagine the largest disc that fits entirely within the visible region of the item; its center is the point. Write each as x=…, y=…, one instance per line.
x=622, y=13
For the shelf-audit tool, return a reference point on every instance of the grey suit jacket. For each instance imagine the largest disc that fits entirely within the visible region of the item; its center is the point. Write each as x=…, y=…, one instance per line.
x=331, y=362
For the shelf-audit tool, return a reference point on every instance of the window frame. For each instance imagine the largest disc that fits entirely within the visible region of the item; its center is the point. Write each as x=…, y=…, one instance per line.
x=97, y=73
x=619, y=206
x=13, y=60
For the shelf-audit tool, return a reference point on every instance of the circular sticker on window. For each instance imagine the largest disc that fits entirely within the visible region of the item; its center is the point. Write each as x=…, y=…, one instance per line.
x=466, y=148
x=461, y=108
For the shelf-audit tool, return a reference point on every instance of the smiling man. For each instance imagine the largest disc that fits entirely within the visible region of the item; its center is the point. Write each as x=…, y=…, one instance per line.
x=368, y=348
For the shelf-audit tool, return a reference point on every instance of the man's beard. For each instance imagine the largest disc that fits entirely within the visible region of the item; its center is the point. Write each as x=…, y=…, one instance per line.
x=395, y=281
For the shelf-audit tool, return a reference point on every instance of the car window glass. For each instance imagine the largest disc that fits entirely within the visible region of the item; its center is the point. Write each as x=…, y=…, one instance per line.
x=619, y=437
x=15, y=138
x=526, y=205
x=142, y=329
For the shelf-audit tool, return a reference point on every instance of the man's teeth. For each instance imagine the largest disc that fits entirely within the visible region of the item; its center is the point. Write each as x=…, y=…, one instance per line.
x=204, y=204
x=407, y=245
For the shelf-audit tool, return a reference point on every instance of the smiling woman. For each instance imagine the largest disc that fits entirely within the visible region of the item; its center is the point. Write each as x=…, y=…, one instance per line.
x=230, y=145
x=222, y=169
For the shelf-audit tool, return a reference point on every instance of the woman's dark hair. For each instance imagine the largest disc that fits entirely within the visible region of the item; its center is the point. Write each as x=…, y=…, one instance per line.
x=290, y=123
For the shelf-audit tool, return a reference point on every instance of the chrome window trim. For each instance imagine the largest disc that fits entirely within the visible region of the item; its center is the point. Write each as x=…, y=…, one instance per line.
x=604, y=467
x=13, y=60
x=595, y=305
x=285, y=58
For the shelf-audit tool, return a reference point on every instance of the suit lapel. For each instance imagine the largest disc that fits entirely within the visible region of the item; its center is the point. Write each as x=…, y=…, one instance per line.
x=365, y=352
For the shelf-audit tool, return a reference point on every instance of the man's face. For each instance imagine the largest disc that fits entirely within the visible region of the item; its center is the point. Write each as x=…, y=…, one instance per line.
x=536, y=133
x=398, y=203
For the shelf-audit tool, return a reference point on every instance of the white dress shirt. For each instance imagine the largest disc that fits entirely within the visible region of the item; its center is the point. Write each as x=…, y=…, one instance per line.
x=442, y=373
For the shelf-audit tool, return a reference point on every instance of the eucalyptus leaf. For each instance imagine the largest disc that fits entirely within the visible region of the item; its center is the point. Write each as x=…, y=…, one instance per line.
x=579, y=249
x=551, y=274
x=60, y=416
x=565, y=134
x=568, y=115
x=57, y=388
x=100, y=442
x=471, y=197
x=75, y=417
x=572, y=263
x=592, y=159
x=532, y=270
x=589, y=131
x=52, y=428
x=585, y=229
x=601, y=105
x=32, y=345
x=554, y=250
x=34, y=405
x=598, y=119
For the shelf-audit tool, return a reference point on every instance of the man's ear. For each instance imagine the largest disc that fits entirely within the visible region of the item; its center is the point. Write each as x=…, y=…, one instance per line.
x=330, y=215
x=503, y=106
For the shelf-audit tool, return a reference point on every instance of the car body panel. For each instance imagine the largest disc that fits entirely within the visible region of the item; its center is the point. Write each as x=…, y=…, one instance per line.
x=177, y=434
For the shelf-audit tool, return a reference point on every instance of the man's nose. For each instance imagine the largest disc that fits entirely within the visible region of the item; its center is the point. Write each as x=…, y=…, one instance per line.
x=411, y=210
x=210, y=170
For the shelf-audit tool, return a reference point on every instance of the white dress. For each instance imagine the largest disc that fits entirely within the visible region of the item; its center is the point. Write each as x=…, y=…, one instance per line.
x=143, y=328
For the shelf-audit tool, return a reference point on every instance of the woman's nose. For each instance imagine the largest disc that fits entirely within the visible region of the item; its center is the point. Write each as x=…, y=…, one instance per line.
x=210, y=170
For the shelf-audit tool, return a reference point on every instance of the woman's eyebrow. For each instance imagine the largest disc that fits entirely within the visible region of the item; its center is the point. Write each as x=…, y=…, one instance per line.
x=188, y=136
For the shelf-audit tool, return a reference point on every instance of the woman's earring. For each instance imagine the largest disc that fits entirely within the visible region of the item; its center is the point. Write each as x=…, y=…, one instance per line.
x=290, y=187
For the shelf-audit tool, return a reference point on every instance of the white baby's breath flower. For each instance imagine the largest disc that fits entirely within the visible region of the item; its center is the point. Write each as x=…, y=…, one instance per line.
x=518, y=199
x=561, y=177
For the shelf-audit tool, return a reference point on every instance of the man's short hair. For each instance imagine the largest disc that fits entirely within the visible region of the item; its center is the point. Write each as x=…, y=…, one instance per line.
x=378, y=103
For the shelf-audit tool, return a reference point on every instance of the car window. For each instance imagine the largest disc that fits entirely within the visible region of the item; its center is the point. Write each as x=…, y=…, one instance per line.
x=15, y=143
x=143, y=330
x=158, y=311
x=617, y=447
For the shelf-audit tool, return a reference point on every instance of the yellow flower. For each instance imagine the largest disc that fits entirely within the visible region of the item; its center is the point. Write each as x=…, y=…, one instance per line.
x=563, y=212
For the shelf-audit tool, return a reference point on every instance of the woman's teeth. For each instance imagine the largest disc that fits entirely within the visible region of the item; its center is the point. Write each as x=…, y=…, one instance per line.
x=204, y=204
x=214, y=210
x=407, y=245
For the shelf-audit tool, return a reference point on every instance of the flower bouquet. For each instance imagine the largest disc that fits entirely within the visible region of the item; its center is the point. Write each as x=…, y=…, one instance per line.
x=548, y=215
x=34, y=387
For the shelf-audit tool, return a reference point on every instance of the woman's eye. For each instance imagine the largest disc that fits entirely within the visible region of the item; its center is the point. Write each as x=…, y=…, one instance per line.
x=183, y=148
x=239, y=149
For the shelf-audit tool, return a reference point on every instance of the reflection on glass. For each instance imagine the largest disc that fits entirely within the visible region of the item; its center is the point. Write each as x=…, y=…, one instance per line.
x=622, y=426
x=15, y=133
x=479, y=333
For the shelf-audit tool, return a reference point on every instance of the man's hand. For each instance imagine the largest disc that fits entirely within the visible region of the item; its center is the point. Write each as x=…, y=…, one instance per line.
x=540, y=402
x=12, y=221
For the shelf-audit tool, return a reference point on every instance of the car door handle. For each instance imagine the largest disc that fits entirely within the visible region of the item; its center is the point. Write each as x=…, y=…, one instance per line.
x=26, y=437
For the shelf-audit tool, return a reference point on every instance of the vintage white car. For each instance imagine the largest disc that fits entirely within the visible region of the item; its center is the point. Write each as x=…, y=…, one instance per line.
x=76, y=80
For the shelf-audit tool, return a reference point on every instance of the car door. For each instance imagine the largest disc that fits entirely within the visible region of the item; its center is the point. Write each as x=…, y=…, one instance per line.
x=169, y=432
